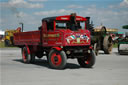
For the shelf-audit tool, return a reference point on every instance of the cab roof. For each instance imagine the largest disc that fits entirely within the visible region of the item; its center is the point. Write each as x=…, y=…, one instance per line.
x=64, y=18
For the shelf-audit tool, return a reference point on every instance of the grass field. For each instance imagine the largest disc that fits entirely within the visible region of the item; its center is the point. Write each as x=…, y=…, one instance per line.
x=2, y=44
x=115, y=45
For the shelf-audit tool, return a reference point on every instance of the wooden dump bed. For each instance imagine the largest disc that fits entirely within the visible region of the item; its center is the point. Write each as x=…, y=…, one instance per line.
x=29, y=38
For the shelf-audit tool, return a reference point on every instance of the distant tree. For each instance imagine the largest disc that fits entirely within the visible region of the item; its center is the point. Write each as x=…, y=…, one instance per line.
x=125, y=27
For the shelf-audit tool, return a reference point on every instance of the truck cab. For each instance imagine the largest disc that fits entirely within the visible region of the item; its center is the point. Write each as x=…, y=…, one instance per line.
x=67, y=30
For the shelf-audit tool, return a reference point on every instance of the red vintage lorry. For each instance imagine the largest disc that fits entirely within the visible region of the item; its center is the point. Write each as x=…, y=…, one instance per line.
x=58, y=38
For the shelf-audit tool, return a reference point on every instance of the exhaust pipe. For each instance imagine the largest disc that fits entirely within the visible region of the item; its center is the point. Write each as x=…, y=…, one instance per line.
x=89, y=25
x=22, y=26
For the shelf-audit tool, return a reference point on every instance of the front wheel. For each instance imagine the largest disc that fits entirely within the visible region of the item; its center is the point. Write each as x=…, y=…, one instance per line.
x=57, y=59
x=7, y=43
x=88, y=60
x=96, y=49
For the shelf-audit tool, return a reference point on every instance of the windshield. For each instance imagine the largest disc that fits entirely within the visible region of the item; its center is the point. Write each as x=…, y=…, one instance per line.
x=69, y=25
x=6, y=33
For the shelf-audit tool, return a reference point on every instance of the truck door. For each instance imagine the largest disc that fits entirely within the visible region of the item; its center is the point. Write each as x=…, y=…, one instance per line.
x=51, y=34
x=44, y=33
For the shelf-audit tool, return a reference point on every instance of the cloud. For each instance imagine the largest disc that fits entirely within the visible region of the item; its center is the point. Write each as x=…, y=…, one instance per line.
x=124, y=3
x=21, y=4
x=11, y=16
x=21, y=14
x=12, y=22
x=24, y=4
x=37, y=0
x=109, y=18
x=74, y=6
x=1, y=21
x=53, y=12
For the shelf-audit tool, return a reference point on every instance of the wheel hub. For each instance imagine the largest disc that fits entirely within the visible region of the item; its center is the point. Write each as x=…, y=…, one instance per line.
x=56, y=59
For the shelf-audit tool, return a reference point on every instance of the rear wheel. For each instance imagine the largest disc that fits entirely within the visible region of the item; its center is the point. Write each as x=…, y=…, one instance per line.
x=107, y=44
x=88, y=61
x=27, y=58
x=32, y=60
x=118, y=48
x=7, y=43
x=96, y=50
x=11, y=40
x=57, y=59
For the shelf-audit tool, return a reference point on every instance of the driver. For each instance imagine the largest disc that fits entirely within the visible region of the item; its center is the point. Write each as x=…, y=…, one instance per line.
x=73, y=23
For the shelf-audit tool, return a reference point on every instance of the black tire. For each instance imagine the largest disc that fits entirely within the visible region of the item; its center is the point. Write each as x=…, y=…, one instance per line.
x=39, y=55
x=57, y=59
x=88, y=61
x=96, y=50
x=32, y=60
x=11, y=40
x=107, y=44
x=7, y=43
x=120, y=51
x=27, y=58
x=118, y=48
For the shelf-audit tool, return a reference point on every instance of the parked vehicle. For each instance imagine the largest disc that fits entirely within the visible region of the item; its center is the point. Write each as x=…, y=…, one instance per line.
x=8, y=38
x=59, y=38
x=101, y=38
x=123, y=44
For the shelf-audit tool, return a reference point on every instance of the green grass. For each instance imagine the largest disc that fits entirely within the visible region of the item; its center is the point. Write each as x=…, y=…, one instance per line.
x=115, y=45
x=2, y=44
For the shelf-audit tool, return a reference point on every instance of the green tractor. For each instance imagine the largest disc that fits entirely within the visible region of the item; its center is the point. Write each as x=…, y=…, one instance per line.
x=101, y=38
